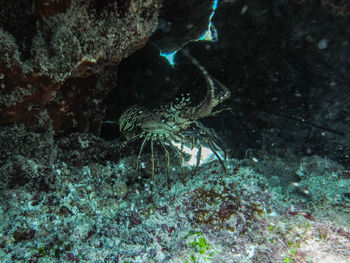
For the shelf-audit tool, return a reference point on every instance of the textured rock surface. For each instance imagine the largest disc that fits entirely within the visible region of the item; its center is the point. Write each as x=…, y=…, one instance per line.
x=182, y=22
x=54, y=62
x=26, y=156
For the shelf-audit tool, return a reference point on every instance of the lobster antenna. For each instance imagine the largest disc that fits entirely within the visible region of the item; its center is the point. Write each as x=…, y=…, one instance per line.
x=210, y=81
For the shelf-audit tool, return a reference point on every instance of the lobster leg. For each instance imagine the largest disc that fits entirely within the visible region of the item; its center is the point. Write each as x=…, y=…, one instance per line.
x=181, y=158
x=139, y=155
x=199, y=155
x=152, y=163
x=167, y=164
x=213, y=144
x=212, y=148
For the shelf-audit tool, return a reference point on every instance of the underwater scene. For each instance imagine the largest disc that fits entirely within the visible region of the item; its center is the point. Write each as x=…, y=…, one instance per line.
x=155, y=131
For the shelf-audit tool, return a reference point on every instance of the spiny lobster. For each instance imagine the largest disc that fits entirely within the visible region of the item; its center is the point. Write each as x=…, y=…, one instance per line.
x=170, y=124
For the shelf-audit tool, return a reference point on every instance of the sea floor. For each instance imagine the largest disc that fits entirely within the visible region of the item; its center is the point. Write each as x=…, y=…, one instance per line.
x=104, y=212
